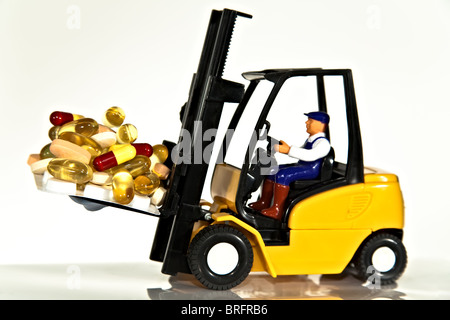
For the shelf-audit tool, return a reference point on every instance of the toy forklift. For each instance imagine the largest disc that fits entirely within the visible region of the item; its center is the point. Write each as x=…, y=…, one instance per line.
x=348, y=216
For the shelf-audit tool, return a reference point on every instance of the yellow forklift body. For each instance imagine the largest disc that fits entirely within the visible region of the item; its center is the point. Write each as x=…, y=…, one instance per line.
x=316, y=251
x=326, y=229
x=375, y=204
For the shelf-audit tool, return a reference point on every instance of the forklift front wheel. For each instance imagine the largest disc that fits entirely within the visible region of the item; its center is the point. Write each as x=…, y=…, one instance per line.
x=220, y=257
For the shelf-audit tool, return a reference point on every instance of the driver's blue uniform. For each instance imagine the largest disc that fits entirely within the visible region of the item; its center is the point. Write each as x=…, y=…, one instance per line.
x=301, y=170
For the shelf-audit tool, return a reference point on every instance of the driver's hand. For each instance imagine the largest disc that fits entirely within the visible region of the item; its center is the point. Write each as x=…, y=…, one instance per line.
x=282, y=147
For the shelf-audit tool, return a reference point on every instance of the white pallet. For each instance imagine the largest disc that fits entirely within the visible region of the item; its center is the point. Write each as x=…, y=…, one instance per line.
x=47, y=183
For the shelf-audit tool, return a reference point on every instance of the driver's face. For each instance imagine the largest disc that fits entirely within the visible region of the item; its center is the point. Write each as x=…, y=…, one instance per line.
x=314, y=126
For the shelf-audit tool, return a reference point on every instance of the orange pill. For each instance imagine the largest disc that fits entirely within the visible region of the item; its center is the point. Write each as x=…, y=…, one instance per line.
x=34, y=157
x=161, y=171
x=68, y=150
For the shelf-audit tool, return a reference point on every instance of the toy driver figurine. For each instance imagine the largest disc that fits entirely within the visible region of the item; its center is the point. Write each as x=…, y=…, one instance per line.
x=308, y=167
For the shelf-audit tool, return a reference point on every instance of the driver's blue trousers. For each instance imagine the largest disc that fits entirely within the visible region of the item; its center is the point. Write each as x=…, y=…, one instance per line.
x=301, y=170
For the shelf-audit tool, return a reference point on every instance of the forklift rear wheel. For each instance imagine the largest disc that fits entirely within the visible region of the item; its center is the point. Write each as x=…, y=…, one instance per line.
x=382, y=259
x=220, y=257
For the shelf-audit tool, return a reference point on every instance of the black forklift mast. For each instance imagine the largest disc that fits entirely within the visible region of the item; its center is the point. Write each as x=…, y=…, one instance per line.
x=203, y=110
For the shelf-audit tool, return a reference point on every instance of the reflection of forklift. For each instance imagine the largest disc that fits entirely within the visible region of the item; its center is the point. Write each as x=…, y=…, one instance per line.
x=349, y=215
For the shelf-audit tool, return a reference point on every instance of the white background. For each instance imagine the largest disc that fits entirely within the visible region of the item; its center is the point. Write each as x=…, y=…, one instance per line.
x=140, y=55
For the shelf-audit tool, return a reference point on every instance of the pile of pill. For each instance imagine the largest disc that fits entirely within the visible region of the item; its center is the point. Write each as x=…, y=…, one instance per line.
x=83, y=151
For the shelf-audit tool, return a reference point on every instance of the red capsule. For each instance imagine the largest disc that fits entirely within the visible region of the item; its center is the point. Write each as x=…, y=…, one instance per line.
x=143, y=149
x=58, y=118
x=113, y=158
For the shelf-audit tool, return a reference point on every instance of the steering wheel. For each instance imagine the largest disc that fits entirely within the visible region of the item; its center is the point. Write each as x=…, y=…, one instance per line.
x=263, y=160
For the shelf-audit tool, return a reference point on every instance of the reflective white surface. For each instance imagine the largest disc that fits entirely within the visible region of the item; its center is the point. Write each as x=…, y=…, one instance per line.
x=143, y=280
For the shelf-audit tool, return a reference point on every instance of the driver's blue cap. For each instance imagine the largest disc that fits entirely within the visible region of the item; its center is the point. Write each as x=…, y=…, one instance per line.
x=319, y=116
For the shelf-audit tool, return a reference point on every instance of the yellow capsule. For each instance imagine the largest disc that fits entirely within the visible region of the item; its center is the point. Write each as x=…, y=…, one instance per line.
x=70, y=170
x=53, y=132
x=123, y=187
x=113, y=117
x=116, y=146
x=85, y=142
x=81, y=187
x=46, y=153
x=85, y=126
x=127, y=133
x=137, y=166
x=161, y=152
x=146, y=184
x=114, y=158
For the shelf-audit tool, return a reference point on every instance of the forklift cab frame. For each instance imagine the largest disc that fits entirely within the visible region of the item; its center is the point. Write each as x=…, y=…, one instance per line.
x=345, y=174
x=303, y=242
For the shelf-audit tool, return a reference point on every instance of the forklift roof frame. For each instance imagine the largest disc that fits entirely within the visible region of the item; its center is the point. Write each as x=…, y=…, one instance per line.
x=355, y=166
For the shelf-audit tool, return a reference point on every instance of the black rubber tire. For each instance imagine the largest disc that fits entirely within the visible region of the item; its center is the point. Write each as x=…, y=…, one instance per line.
x=364, y=261
x=208, y=238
